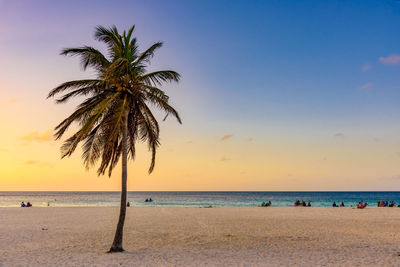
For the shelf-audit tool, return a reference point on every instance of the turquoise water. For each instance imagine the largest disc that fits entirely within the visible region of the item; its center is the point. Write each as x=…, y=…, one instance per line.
x=243, y=199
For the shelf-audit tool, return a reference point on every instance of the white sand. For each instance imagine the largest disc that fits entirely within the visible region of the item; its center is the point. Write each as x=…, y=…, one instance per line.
x=159, y=236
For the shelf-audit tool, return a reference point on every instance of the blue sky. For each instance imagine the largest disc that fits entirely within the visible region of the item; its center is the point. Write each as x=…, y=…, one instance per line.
x=286, y=72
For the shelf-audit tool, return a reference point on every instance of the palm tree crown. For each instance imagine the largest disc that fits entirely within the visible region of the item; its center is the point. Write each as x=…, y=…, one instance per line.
x=122, y=93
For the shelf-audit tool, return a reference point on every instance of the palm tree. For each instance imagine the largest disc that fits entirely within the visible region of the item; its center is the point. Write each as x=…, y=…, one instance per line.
x=116, y=111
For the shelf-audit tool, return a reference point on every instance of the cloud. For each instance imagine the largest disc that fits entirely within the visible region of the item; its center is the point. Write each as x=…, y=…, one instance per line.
x=226, y=137
x=339, y=136
x=224, y=158
x=366, y=67
x=10, y=101
x=31, y=162
x=189, y=142
x=13, y=100
x=392, y=59
x=366, y=87
x=39, y=163
x=36, y=136
x=250, y=139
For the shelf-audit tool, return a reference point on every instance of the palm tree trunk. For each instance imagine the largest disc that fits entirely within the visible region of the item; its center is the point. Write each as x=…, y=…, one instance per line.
x=117, y=244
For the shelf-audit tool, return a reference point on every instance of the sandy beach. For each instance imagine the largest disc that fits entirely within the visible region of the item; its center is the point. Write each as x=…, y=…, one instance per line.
x=220, y=236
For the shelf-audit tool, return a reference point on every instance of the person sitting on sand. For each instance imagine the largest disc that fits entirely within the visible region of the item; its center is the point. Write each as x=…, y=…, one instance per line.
x=28, y=204
x=342, y=204
x=361, y=205
x=303, y=203
x=23, y=204
x=297, y=203
x=268, y=204
x=263, y=204
x=128, y=204
x=334, y=204
x=309, y=204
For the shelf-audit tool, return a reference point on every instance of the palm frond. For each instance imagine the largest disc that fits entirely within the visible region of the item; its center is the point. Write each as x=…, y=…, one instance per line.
x=72, y=85
x=89, y=57
x=148, y=54
x=158, y=77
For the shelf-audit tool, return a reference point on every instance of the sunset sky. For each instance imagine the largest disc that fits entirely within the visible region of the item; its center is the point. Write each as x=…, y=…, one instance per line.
x=275, y=95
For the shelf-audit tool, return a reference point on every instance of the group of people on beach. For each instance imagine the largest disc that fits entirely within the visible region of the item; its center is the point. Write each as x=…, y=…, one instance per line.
x=128, y=204
x=266, y=204
x=386, y=203
x=302, y=203
x=23, y=205
x=336, y=205
x=360, y=205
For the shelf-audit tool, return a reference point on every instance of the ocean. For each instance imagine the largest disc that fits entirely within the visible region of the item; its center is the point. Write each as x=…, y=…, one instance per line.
x=194, y=199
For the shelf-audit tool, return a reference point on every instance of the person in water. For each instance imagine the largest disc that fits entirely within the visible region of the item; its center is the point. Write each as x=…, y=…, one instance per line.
x=147, y=200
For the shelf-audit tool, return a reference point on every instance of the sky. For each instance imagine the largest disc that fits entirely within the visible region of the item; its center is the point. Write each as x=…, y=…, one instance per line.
x=275, y=95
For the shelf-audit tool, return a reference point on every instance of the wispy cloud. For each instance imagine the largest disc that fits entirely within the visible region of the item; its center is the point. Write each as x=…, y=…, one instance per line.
x=36, y=136
x=392, y=59
x=366, y=67
x=10, y=101
x=250, y=139
x=224, y=158
x=38, y=163
x=31, y=162
x=13, y=100
x=339, y=135
x=366, y=87
x=226, y=137
x=189, y=142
